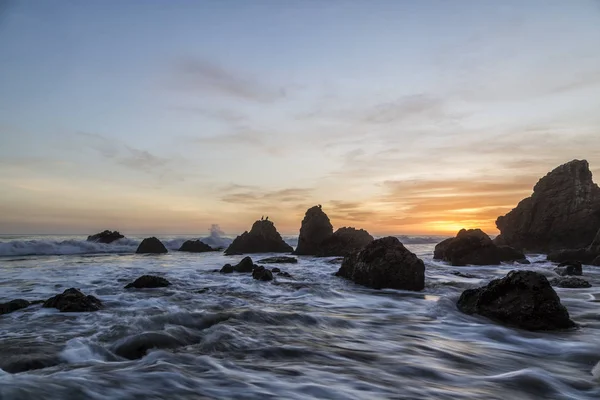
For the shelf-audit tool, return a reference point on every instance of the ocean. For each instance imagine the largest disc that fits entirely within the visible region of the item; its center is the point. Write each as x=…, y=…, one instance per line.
x=311, y=336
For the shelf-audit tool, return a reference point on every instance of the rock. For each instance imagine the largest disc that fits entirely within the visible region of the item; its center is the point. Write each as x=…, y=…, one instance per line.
x=151, y=246
x=509, y=254
x=105, y=237
x=440, y=249
x=595, y=245
x=195, y=246
x=227, y=269
x=596, y=262
x=569, y=268
x=72, y=300
x=262, y=274
x=262, y=238
x=246, y=265
x=584, y=256
x=343, y=242
x=384, y=263
x=523, y=299
x=284, y=274
x=148, y=281
x=570, y=282
x=274, y=270
x=279, y=260
x=562, y=213
x=13, y=305
x=337, y=260
x=136, y=347
x=464, y=275
x=315, y=228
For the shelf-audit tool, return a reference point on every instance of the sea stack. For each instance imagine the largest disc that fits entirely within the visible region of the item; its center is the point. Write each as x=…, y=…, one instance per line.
x=262, y=238
x=562, y=213
x=343, y=242
x=195, y=246
x=105, y=237
x=315, y=228
x=151, y=246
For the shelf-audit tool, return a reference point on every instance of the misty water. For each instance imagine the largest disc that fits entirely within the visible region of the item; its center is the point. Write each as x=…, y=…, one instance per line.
x=310, y=336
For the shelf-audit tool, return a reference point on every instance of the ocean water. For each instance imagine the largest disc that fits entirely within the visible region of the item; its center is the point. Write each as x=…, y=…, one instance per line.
x=312, y=336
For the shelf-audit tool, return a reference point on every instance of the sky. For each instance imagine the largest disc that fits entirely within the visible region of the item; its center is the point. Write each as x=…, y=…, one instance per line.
x=403, y=117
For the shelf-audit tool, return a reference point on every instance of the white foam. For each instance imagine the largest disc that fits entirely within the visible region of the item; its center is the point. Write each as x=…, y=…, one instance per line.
x=63, y=247
x=78, y=350
x=596, y=372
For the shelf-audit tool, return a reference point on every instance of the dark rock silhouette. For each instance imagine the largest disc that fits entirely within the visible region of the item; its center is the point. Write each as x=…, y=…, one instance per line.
x=227, y=269
x=13, y=305
x=384, y=263
x=72, y=300
x=151, y=246
x=474, y=247
x=195, y=246
x=262, y=238
x=284, y=274
x=148, y=281
x=279, y=260
x=343, y=242
x=587, y=255
x=246, y=265
x=315, y=228
x=262, y=274
x=523, y=299
x=562, y=213
x=596, y=261
x=570, y=282
x=105, y=237
x=136, y=347
x=274, y=270
x=464, y=275
x=23, y=363
x=569, y=268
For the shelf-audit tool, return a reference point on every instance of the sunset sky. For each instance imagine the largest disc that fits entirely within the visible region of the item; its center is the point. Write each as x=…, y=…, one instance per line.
x=397, y=116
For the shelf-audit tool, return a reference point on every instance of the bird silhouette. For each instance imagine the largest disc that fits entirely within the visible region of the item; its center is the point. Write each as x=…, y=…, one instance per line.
x=266, y=219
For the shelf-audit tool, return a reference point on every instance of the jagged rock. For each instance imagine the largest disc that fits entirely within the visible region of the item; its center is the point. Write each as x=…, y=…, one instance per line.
x=343, y=242
x=13, y=305
x=315, y=228
x=148, y=281
x=72, y=300
x=522, y=298
x=274, y=270
x=262, y=238
x=570, y=282
x=151, y=246
x=262, y=274
x=105, y=237
x=562, y=213
x=384, y=263
x=569, y=268
x=136, y=347
x=227, y=269
x=279, y=260
x=474, y=247
x=246, y=265
x=195, y=246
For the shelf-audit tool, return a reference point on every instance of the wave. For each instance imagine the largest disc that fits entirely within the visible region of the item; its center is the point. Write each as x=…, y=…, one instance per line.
x=217, y=238
x=64, y=247
x=420, y=239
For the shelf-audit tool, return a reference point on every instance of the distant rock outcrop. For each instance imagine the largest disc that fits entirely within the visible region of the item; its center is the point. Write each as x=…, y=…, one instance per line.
x=72, y=300
x=195, y=246
x=562, y=213
x=279, y=260
x=148, y=281
x=343, y=242
x=246, y=265
x=315, y=228
x=474, y=247
x=262, y=238
x=151, y=246
x=570, y=282
x=384, y=263
x=105, y=237
x=569, y=268
x=523, y=299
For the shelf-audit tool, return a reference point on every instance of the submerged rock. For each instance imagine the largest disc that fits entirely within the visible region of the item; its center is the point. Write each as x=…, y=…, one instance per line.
x=105, y=237
x=343, y=242
x=13, y=305
x=464, y=275
x=262, y=238
x=284, y=274
x=522, y=298
x=562, y=213
x=315, y=228
x=569, y=268
x=227, y=269
x=246, y=265
x=384, y=263
x=72, y=300
x=262, y=274
x=151, y=246
x=195, y=246
x=137, y=346
x=274, y=270
x=570, y=282
x=279, y=260
x=148, y=281
x=23, y=363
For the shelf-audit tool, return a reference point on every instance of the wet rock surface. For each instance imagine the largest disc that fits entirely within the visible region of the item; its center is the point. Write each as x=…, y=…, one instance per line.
x=72, y=300
x=279, y=260
x=315, y=228
x=148, y=281
x=569, y=268
x=195, y=246
x=262, y=238
x=262, y=274
x=151, y=246
x=105, y=237
x=570, y=282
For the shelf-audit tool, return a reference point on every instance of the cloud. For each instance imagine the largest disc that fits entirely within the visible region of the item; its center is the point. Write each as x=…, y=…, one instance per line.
x=243, y=195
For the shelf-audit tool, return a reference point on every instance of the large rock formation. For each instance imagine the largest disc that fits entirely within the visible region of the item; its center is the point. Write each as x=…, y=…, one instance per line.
x=315, y=228
x=343, y=242
x=474, y=247
x=105, y=237
x=262, y=238
x=523, y=299
x=151, y=246
x=384, y=263
x=195, y=246
x=562, y=213
x=72, y=300
x=587, y=255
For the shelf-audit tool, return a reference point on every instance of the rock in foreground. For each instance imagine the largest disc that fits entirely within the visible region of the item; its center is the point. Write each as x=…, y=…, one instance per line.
x=262, y=238
x=569, y=268
x=151, y=246
x=385, y=263
x=343, y=242
x=262, y=274
x=105, y=237
x=246, y=265
x=13, y=305
x=147, y=282
x=72, y=300
x=315, y=228
x=570, y=282
x=195, y=246
x=523, y=299
x=279, y=260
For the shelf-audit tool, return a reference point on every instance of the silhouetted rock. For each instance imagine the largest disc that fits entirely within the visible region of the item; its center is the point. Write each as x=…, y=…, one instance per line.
x=284, y=274
x=315, y=228
x=596, y=261
x=195, y=246
x=570, y=282
x=343, y=242
x=227, y=269
x=105, y=237
x=136, y=347
x=509, y=254
x=274, y=270
x=569, y=268
x=72, y=300
x=147, y=282
x=562, y=213
x=584, y=256
x=262, y=238
x=13, y=305
x=151, y=246
x=464, y=275
x=279, y=260
x=440, y=249
x=522, y=298
x=384, y=263
x=246, y=265
x=262, y=274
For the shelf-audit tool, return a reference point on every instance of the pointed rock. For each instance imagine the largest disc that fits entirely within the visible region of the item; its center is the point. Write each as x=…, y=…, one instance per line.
x=262, y=238
x=315, y=228
x=151, y=246
x=195, y=246
x=72, y=300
